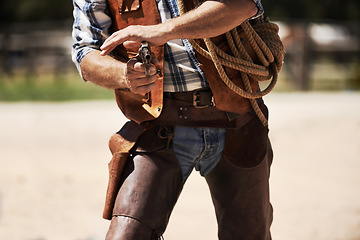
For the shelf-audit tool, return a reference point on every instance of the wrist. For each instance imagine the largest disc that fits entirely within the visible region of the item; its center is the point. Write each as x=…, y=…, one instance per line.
x=116, y=75
x=104, y=71
x=169, y=30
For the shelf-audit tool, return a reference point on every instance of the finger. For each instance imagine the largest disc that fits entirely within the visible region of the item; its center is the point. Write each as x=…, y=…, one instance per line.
x=144, y=89
x=137, y=69
x=141, y=75
x=135, y=64
x=153, y=70
x=113, y=37
x=105, y=46
x=132, y=44
x=106, y=49
x=112, y=42
x=142, y=84
x=110, y=38
x=140, y=68
x=144, y=81
x=132, y=61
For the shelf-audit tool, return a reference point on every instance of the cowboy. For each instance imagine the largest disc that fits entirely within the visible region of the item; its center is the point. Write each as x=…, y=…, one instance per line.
x=187, y=109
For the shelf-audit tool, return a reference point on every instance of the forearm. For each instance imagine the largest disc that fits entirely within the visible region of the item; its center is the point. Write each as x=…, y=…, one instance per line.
x=210, y=19
x=111, y=73
x=104, y=71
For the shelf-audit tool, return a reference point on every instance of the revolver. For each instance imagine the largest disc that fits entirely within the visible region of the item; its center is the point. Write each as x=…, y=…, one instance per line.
x=145, y=55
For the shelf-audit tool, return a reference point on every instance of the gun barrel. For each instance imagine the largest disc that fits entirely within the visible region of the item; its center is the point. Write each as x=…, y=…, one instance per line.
x=145, y=54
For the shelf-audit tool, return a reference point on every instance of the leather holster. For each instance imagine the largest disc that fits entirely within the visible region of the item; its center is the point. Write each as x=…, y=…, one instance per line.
x=151, y=182
x=120, y=145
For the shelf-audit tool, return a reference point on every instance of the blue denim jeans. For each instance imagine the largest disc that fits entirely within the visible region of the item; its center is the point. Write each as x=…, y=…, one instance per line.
x=199, y=148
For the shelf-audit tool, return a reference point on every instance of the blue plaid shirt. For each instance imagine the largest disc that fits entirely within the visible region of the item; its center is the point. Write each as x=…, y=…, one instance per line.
x=91, y=27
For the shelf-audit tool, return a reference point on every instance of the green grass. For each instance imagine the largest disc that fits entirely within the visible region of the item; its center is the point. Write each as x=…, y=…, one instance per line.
x=49, y=87
x=67, y=86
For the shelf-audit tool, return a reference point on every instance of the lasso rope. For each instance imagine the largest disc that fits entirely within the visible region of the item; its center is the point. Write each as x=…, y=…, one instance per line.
x=264, y=40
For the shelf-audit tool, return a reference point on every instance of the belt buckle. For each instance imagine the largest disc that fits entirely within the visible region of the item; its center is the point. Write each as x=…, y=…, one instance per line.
x=196, y=100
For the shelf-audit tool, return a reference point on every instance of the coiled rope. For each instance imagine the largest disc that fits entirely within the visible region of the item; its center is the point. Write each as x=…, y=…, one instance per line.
x=264, y=40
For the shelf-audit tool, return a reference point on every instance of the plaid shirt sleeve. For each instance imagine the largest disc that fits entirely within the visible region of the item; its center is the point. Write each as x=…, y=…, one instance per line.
x=260, y=9
x=90, y=28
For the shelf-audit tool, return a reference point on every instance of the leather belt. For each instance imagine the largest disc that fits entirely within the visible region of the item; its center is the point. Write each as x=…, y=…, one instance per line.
x=200, y=98
x=196, y=109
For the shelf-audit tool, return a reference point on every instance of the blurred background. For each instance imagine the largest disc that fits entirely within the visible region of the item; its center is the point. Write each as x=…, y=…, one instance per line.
x=54, y=129
x=321, y=40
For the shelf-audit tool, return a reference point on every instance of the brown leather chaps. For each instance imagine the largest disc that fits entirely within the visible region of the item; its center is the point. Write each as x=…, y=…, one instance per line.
x=239, y=185
x=152, y=181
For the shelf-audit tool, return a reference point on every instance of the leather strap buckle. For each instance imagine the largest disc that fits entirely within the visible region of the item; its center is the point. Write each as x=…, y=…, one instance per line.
x=199, y=97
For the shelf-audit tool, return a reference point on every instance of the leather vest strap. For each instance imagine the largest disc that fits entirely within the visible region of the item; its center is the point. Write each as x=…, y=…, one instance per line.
x=137, y=12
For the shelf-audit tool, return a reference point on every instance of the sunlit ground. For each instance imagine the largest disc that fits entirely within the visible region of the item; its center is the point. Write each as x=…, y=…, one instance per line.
x=54, y=156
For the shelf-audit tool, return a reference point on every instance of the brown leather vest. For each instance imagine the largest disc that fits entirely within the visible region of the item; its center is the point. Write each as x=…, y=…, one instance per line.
x=143, y=108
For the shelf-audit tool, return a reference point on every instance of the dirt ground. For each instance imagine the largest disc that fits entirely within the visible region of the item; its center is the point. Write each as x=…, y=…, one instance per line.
x=53, y=171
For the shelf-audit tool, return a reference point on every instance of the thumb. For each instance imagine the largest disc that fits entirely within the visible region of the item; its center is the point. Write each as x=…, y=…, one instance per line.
x=154, y=60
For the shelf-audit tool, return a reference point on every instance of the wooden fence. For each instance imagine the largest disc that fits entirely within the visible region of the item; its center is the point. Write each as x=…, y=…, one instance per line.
x=33, y=47
x=311, y=48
